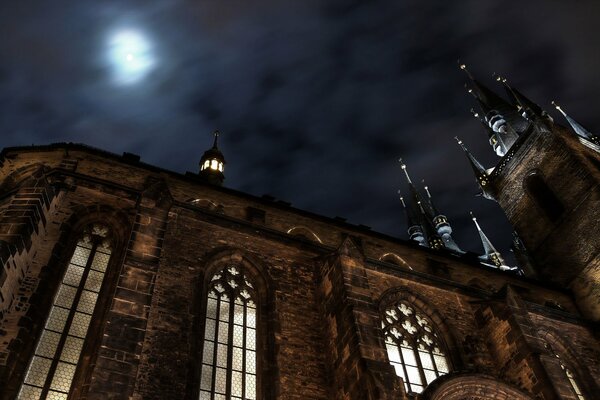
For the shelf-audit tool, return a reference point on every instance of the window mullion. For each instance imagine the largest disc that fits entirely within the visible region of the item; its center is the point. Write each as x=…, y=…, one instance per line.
x=230, y=345
x=399, y=346
x=244, y=347
x=213, y=384
x=69, y=320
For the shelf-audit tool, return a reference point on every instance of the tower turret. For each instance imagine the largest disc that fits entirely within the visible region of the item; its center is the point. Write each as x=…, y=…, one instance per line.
x=492, y=257
x=212, y=163
x=481, y=175
x=585, y=137
x=415, y=231
x=503, y=118
x=440, y=223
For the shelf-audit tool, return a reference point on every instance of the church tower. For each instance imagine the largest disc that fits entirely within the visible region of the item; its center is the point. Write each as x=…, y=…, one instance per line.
x=547, y=181
x=212, y=164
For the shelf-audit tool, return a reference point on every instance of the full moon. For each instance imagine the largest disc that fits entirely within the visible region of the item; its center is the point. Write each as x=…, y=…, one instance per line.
x=130, y=55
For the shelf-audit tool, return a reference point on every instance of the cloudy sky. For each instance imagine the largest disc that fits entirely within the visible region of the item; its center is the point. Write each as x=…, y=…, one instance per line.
x=316, y=101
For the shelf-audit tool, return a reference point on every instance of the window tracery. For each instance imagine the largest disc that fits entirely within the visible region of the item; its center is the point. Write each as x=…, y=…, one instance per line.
x=52, y=368
x=229, y=355
x=413, y=347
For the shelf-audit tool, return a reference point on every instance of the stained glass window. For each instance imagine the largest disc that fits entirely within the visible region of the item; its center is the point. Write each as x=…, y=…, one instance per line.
x=413, y=347
x=229, y=363
x=53, y=365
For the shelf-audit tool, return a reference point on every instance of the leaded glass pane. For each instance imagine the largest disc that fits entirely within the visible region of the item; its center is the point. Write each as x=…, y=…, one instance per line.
x=413, y=347
x=231, y=320
x=72, y=349
x=57, y=319
x=29, y=393
x=52, y=395
x=73, y=275
x=87, y=302
x=38, y=370
x=100, y=261
x=63, y=376
x=94, y=281
x=80, y=256
x=65, y=296
x=48, y=343
x=79, y=325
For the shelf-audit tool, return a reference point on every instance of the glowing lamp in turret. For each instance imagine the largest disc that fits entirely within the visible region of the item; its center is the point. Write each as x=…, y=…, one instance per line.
x=212, y=164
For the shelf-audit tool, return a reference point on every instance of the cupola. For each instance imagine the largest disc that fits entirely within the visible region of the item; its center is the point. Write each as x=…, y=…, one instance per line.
x=212, y=164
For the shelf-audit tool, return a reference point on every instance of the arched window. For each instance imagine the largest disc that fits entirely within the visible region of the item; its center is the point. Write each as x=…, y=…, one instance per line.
x=570, y=375
x=52, y=368
x=229, y=359
x=413, y=347
x=543, y=196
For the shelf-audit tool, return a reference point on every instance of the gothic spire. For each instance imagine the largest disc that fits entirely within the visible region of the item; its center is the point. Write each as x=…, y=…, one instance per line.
x=440, y=223
x=415, y=231
x=481, y=174
x=580, y=130
x=528, y=109
x=416, y=208
x=491, y=256
x=500, y=115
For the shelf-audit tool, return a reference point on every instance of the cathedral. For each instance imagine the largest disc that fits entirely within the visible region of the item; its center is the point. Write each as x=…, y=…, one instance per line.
x=122, y=280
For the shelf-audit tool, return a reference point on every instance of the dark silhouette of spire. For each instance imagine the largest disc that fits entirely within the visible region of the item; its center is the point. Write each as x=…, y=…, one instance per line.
x=418, y=214
x=592, y=140
x=481, y=175
x=491, y=256
x=440, y=223
x=500, y=115
x=415, y=231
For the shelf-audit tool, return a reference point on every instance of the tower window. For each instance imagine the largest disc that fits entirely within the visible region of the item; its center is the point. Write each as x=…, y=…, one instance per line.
x=413, y=348
x=54, y=363
x=229, y=355
x=543, y=196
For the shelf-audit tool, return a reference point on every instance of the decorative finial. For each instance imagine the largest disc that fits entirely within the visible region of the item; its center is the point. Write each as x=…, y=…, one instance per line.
x=403, y=166
x=464, y=68
x=216, y=133
x=426, y=188
x=401, y=198
x=558, y=108
x=459, y=141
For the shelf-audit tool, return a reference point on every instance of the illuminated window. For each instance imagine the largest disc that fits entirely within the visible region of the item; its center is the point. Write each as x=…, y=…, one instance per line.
x=54, y=363
x=569, y=374
x=206, y=164
x=414, y=349
x=214, y=164
x=229, y=361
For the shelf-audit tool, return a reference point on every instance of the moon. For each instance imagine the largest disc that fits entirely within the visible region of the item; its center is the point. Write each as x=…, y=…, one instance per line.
x=130, y=56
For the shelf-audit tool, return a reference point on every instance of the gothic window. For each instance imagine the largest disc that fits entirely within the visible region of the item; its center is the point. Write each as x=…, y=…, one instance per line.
x=52, y=368
x=544, y=197
x=229, y=360
x=413, y=347
x=569, y=374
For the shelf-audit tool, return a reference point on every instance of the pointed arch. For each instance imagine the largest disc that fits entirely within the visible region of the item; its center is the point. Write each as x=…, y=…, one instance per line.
x=461, y=386
x=233, y=331
x=419, y=344
x=395, y=259
x=577, y=375
x=303, y=231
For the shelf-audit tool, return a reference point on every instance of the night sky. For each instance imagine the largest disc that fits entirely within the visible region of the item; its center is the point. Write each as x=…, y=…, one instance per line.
x=316, y=100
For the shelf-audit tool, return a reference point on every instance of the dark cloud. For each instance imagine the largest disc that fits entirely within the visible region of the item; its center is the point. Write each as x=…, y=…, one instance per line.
x=316, y=100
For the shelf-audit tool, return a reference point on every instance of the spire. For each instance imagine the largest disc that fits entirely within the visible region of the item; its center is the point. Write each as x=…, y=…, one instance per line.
x=481, y=174
x=212, y=163
x=491, y=254
x=580, y=130
x=440, y=223
x=415, y=232
x=526, y=107
x=500, y=115
x=416, y=215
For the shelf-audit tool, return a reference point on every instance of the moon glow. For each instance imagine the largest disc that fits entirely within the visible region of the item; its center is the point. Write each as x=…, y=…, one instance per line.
x=130, y=56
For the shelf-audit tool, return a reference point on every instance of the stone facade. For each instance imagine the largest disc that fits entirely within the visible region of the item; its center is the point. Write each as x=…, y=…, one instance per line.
x=322, y=286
